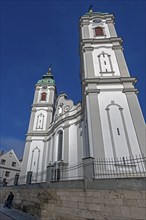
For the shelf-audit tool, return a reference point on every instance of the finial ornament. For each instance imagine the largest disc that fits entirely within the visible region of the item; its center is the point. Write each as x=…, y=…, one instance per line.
x=50, y=68
x=90, y=8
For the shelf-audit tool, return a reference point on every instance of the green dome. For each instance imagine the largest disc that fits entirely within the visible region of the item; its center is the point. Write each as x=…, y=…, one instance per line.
x=47, y=79
x=91, y=13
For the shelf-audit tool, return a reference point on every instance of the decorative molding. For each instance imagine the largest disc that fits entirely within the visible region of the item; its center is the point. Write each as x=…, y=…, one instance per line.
x=9, y=168
x=88, y=49
x=92, y=91
x=130, y=90
x=99, y=15
x=124, y=126
x=52, y=128
x=117, y=47
x=107, y=80
x=103, y=40
x=108, y=21
x=43, y=105
x=85, y=23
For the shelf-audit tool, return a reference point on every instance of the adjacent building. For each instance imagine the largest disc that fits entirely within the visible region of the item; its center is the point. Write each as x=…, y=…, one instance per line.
x=10, y=166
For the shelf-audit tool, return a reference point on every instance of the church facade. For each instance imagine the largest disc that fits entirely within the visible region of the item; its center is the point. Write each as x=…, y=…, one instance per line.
x=107, y=124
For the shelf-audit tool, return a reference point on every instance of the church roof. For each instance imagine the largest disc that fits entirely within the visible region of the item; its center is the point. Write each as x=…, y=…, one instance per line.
x=47, y=78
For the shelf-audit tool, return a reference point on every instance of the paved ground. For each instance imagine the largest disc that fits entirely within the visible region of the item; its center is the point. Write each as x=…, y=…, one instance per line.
x=14, y=214
x=4, y=217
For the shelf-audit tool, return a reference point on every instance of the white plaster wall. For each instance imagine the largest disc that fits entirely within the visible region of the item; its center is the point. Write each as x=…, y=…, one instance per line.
x=118, y=97
x=73, y=144
x=31, y=159
x=54, y=148
x=38, y=112
x=115, y=87
x=84, y=138
x=106, y=49
x=51, y=94
x=80, y=141
x=83, y=30
x=49, y=151
x=89, y=124
x=73, y=151
x=85, y=64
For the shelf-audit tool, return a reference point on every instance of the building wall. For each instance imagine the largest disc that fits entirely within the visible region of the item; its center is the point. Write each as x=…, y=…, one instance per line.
x=119, y=135
x=110, y=200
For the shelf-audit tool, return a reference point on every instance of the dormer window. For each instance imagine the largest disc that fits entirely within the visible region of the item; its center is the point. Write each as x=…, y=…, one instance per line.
x=99, y=31
x=43, y=96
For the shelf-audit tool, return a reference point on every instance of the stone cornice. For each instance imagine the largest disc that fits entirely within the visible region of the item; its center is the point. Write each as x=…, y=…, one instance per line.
x=108, y=21
x=9, y=168
x=43, y=105
x=117, y=47
x=98, y=15
x=106, y=80
x=85, y=23
x=46, y=110
x=100, y=41
x=49, y=86
x=92, y=91
x=88, y=49
x=37, y=133
x=125, y=90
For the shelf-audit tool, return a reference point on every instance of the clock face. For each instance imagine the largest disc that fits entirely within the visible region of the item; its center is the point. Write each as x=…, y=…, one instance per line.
x=44, y=87
x=97, y=20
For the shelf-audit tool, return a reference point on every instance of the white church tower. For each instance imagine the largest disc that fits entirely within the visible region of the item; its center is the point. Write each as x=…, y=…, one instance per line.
x=40, y=120
x=113, y=117
x=107, y=124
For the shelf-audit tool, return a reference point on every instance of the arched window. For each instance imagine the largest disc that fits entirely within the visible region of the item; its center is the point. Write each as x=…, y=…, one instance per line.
x=43, y=96
x=60, y=140
x=99, y=31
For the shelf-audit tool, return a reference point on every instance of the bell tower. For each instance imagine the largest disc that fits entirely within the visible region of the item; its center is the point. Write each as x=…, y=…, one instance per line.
x=42, y=111
x=112, y=115
x=43, y=104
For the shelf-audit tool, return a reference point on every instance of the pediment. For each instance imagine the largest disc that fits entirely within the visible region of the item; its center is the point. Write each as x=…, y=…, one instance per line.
x=63, y=105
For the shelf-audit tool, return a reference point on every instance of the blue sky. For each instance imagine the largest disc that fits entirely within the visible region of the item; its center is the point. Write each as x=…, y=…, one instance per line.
x=35, y=34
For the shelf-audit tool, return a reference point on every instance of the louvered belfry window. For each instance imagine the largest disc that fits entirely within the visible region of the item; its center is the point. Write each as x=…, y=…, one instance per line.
x=60, y=139
x=43, y=96
x=99, y=31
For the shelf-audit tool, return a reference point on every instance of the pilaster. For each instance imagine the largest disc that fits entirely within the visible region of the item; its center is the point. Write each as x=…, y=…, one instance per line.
x=66, y=142
x=138, y=120
x=124, y=72
x=31, y=123
x=94, y=125
x=111, y=28
x=25, y=158
x=89, y=68
x=36, y=95
x=79, y=142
